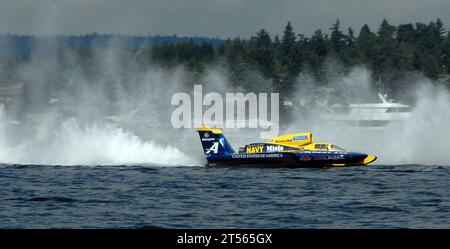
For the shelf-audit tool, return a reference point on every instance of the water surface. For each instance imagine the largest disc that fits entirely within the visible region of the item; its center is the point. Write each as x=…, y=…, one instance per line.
x=403, y=196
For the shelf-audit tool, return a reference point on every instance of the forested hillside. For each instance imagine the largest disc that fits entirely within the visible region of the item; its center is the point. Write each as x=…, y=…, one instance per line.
x=389, y=53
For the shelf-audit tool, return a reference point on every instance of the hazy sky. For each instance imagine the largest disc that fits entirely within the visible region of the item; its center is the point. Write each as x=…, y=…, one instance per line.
x=223, y=18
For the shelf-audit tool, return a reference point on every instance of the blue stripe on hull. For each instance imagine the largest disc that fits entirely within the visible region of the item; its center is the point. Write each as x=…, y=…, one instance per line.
x=300, y=159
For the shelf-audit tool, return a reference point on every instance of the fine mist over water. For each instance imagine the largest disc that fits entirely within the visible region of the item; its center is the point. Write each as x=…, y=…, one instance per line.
x=67, y=115
x=423, y=138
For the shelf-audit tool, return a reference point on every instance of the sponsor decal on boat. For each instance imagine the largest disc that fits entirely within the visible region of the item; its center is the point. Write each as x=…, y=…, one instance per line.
x=305, y=158
x=274, y=148
x=336, y=157
x=300, y=138
x=255, y=149
x=257, y=155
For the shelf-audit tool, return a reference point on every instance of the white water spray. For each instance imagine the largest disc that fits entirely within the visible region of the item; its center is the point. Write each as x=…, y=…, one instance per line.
x=422, y=139
x=89, y=144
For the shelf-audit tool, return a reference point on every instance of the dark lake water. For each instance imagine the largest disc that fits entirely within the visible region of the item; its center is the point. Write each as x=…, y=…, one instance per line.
x=403, y=196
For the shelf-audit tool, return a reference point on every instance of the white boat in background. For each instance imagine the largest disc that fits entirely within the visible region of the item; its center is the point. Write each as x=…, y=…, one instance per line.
x=372, y=115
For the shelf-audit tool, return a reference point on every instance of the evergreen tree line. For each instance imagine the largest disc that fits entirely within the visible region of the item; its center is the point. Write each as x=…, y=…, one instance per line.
x=390, y=52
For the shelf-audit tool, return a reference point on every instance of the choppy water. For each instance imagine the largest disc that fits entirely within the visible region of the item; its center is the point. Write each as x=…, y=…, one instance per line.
x=405, y=196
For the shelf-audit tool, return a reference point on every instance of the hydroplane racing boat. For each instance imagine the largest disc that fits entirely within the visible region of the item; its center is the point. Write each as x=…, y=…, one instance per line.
x=292, y=150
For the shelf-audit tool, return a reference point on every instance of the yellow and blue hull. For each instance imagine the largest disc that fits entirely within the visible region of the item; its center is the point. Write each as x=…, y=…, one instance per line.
x=283, y=151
